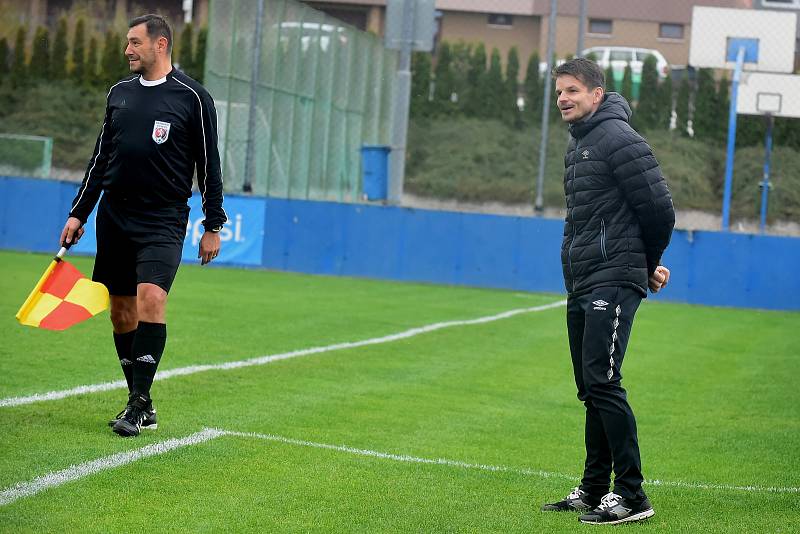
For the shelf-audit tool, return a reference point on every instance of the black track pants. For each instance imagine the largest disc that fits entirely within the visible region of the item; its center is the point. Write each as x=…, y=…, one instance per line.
x=599, y=325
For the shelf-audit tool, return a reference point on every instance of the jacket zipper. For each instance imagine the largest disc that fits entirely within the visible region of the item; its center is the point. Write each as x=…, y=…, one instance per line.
x=603, y=239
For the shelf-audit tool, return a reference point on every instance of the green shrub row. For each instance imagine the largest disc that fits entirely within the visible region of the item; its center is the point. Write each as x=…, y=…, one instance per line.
x=83, y=61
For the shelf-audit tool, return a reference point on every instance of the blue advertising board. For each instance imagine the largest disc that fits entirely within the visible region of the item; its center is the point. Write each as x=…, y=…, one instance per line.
x=242, y=236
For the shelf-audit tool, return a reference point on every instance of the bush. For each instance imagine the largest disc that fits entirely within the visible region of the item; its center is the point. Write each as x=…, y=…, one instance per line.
x=41, y=111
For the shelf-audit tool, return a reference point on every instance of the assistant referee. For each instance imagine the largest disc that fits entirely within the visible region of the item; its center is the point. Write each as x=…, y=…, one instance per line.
x=160, y=126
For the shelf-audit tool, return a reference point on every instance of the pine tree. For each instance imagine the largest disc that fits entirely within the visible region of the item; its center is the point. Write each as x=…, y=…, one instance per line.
x=445, y=81
x=19, y=69
x=420, y=84
x=91, y=78
x=705, y=106
x=627, y=84
x=723, y=103
x=533, y=91
x=682, y=105
x=111, y=60
x=665, y=101
x=647, y=111
x=462, y=60
x=58, y=58
x=186, y=55
x=787, y=132
x=495, y=90
x=40, y=59
x=79, y=52
x=474, y=104
x=4, y=53
x=611, y=83
x=200, y=55
x=512, y=88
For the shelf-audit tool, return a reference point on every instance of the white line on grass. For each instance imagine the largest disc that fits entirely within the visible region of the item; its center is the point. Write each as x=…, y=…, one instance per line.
x=76, y=472
x=497, y=468
x=262, y=360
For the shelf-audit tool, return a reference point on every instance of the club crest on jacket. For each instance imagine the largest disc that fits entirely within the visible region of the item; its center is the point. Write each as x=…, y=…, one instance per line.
x=160, y=132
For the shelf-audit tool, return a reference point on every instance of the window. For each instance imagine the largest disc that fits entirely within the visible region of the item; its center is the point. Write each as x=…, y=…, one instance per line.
x=496, y=19
x=600, y=26
x=621, y=55
x=781, y=3
x=670, y=31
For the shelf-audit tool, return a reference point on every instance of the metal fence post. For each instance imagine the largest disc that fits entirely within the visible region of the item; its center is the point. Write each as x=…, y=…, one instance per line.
x=397, y=157
x=249, y=167
x=538, y=206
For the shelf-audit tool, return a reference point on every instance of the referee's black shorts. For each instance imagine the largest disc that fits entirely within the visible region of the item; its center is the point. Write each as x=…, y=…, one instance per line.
x=136, y=245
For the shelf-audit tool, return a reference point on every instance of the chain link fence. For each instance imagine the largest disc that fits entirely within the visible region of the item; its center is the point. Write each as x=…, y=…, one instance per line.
x=324, y=89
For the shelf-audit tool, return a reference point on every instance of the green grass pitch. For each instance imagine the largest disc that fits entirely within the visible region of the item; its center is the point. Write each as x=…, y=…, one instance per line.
x=715, y=392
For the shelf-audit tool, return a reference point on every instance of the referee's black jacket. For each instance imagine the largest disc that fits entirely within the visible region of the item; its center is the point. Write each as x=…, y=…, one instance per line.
x=619, y=210
x=152, y=138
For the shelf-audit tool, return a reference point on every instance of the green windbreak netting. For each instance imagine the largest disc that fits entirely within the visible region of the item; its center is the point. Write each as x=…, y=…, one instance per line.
x=324, y=89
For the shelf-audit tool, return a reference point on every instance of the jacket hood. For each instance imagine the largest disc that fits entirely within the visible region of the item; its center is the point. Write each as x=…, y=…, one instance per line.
x=614, y=106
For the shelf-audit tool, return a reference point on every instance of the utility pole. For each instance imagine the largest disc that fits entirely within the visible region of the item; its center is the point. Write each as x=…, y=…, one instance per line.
x=538, y=205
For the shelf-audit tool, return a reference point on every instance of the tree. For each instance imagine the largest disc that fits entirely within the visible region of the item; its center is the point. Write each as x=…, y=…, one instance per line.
x=474, y=101
x=40, y=58
x=665, y=101
x=462, y=59
x=682, y=105
x=4, y=53
x=627, y=84
x=647, y=111
x=79, y=52
x=706, y=112
x=494, y=90
x=200, y=55
x=186, y=53
x=512, y=88
x=19, y=69
x=111, y=61
x=445, y=82
x=58, y=58
x=420, y=84
x=91, y=78
x=723, y=103
x=533, y=91
x=611, y=83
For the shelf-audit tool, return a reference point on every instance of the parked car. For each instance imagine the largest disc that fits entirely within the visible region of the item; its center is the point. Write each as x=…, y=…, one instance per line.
x=620, y=56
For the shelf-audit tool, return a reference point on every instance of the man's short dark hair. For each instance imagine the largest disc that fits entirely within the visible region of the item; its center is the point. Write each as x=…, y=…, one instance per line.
x=156, y=25
x=587, y=71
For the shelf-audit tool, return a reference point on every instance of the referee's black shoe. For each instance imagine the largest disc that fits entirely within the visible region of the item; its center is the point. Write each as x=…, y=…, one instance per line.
x=130, y=424
x=150, y=422
x=615, y=509
x=577, y=501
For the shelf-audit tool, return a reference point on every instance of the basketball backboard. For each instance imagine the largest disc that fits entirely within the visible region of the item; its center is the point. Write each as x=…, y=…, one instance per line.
x=768, y=38
x=766, y=93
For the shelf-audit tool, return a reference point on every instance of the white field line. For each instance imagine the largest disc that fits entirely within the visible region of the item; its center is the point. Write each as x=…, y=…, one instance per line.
x=76, y=472
x=498, y=468
x=262, y=360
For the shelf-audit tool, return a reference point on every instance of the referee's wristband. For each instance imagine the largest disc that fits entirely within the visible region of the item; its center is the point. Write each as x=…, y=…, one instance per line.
x=215, y=229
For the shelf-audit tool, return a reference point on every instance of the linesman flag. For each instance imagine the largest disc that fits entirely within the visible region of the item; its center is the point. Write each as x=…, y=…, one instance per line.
x=62, y=297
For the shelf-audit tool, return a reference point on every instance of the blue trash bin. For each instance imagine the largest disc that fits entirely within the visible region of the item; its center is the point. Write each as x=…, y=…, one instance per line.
x=375, y=169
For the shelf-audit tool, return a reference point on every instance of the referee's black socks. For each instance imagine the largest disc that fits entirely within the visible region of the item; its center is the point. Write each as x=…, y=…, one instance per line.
x=124, y=345
x=148, y=346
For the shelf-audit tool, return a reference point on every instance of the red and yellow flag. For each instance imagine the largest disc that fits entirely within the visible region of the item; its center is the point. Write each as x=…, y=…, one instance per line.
x=62, y=298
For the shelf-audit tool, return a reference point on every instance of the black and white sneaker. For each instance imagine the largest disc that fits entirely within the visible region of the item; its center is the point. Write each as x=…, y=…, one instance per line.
x=130, y=424
x=577, y=501
x=150, y=422
x=614, y=509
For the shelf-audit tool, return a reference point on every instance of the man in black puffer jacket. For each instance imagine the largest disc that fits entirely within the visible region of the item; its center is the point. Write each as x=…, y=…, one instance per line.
x=619, y=221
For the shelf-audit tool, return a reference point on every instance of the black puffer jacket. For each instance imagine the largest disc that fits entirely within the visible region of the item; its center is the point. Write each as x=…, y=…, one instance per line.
x=619, y=210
